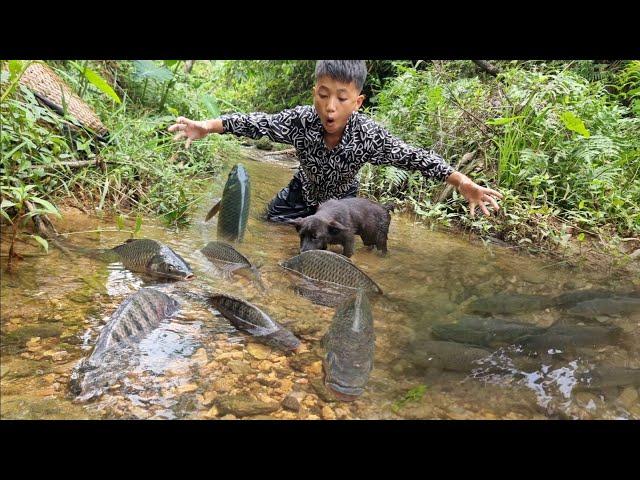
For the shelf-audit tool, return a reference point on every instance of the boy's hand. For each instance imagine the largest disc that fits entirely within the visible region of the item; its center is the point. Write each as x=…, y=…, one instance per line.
x=478, y=196
x=192, y=130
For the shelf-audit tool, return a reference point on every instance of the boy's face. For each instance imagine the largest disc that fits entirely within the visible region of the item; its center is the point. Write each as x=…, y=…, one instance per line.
x=335, y=101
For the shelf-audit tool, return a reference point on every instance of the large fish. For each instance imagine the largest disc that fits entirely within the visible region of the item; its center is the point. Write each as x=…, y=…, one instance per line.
x=249, y=318
x=568, y=337
x=328, y=278
x=487, y=332
x=134, y=319
x=349, y=348
x=233, y=208
x=606, y=306
x=608, y=377
x=229, y=260
x=511, y=303
x=451, y=356
x=154, y=258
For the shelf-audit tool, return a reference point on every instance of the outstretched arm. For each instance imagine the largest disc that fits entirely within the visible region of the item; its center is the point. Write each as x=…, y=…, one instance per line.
x=389, y=150
x=280, y=127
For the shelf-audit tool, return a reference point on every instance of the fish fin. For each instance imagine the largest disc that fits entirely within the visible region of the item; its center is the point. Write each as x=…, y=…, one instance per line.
x=257, y=279
x=214, y=210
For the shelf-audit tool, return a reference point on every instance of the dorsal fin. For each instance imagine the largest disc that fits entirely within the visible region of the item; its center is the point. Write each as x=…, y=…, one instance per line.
x=213, y=211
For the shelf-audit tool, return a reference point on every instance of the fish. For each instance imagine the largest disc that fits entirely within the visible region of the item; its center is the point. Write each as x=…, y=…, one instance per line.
x=132, y=321
x=568, y=337
x=233, y=207
x=604, y=377
x=511, y=303
x=487, y=332
x=452, y=356
x=606, y=306
x=328, y=278
x=349, y=346
x=249, y=318
x=230, y=260
x=154, y=258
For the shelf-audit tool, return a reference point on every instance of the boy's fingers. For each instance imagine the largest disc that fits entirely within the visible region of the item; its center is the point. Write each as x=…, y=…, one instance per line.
x=494, y=193
x=179, y=136
x=472, y=208
x=484, y=209
x=188, y=142
x=493, y=202
x=177, y=126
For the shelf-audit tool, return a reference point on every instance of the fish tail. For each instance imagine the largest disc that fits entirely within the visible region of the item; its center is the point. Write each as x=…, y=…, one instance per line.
x=214, y=210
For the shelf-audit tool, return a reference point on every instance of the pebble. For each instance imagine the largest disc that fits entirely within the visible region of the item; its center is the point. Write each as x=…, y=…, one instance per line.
x=265, y=366
x=209, y=397
x=235, y=355
x=239, y=367
x=223, y=384
x=258, y=351
x=628, y=397
x=293, y=401
x=189, y=387
x=228, y=417
x=200, y=357
x=212, y=412
x=315, y=368
x=327, y=413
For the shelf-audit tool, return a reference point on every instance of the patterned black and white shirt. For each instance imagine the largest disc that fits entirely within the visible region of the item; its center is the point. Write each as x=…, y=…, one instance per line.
x=325, y=173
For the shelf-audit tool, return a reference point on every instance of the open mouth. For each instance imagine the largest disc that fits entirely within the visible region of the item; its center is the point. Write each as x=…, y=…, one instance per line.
x=331, y=122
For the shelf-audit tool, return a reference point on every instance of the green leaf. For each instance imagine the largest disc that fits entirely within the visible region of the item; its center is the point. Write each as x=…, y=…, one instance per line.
x=138, y=224
x=580, y=237
x=7, y=204
x=119, y=222
x=173, y=111
x=49, y=208
x=42, y=242
x=211, y=104
x=170, y=63
x=148, y=69
x=573, y=123
x=503, y=121
x=102, y=84
x=15, y=67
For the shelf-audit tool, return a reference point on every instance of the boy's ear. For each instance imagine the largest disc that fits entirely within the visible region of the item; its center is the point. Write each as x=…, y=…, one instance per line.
x=335, y=227
x=359, y=101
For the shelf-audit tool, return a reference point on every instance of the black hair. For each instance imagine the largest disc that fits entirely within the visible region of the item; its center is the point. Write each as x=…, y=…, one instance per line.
x=346, y=71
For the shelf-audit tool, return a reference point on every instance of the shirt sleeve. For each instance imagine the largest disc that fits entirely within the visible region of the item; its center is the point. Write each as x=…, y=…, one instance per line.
x=283, y=127
x=389, y=150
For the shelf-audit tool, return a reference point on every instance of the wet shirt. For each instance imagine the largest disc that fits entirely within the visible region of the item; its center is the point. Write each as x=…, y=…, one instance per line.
x=327, y=174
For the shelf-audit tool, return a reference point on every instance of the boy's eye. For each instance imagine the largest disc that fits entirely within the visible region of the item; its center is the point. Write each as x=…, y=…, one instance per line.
x=343, y=99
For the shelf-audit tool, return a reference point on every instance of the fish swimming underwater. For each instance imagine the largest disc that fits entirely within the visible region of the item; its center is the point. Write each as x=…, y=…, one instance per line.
x=154, y=258
x=349, y=348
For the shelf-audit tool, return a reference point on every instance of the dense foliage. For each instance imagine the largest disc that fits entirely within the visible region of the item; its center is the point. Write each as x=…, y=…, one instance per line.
x=560, y=139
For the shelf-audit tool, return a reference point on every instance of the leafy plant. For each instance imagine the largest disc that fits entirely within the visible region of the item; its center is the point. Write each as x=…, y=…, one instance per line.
x=412, y=396
x=18, y=205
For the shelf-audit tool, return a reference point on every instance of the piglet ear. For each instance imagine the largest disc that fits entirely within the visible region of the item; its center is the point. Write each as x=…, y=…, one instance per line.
x=335, y=227
x=297, y=222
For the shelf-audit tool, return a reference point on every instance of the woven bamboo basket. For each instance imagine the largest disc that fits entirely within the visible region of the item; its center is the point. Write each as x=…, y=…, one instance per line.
x=51, y=89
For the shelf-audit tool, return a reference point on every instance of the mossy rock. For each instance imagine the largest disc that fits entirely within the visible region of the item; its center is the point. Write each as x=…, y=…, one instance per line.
x=15, y=341
x=264, y=144
x=244, y=406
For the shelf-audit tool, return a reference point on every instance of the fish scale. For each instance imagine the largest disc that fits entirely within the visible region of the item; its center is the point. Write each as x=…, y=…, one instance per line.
x=249, y=318
x=331, y=267
x=152, y=257
x=350, y=346
x=135, y=318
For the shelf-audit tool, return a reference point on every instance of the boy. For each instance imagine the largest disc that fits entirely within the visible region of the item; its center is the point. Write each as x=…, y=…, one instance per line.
x=333, y=140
